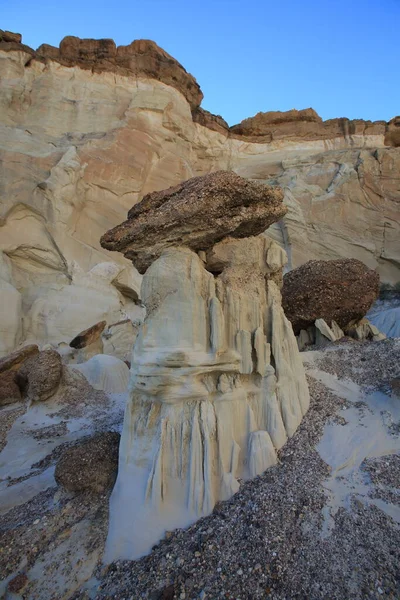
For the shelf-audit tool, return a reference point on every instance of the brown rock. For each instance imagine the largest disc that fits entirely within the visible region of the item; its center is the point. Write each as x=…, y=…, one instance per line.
x=197, y=213
x=141, y=58
x=302, y=124
x=89, y=336
x=334, y=290
x=207, y=119
x=91, y=465
x=10, y=37
x=392, y=137
x=14, y=361
x=17, y=583
x=40, y=375
x=9, y=390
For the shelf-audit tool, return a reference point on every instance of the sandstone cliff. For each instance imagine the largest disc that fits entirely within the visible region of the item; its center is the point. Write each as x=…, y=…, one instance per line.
x=87, y=129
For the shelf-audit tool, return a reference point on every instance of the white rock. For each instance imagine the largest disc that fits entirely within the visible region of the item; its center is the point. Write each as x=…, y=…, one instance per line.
x=104, y=372
x=203, y=409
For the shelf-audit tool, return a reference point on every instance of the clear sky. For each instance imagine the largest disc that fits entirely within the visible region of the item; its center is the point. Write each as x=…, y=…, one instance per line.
x=340, y=57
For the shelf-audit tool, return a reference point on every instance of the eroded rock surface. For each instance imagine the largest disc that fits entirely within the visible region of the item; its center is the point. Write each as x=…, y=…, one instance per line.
x=83, y=137
x=176, y=216
x=337, y=290
x=217, y=383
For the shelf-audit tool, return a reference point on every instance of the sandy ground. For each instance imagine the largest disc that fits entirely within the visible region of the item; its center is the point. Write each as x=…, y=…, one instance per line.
x=323, y=523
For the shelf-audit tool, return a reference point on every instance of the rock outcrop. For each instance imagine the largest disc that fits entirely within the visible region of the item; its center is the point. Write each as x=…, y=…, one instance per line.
x=175, y=217
x=217, y=382
x=305, y=125
x=88, y=129
x=337, y=290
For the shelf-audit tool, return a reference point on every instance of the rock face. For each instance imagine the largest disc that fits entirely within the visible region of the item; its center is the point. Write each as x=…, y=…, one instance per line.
x=217, y=384
x=335, y=290
x=88, y=129
x=306, y=125
x=90, y=466
x=175, y=217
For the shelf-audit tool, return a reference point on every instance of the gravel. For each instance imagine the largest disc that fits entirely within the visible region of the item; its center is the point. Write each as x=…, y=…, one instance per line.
x=265, y=542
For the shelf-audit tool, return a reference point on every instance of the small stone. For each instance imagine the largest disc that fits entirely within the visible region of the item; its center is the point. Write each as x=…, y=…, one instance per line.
x=240, y=572
x=36, y=521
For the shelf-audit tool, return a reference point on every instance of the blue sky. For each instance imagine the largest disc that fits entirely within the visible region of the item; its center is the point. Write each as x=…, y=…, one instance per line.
x=342, y=58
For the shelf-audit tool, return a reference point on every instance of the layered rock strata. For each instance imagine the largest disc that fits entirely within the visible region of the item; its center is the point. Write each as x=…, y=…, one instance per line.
x=217, y=382
x=88, y=129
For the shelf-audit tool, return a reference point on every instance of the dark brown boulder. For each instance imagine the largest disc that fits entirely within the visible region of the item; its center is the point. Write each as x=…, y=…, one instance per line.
x=40, y=376
x=91, y=465
x=334, y=290
x=197, y=214
x=9, y=390
x=10, y=37
x=88, y=336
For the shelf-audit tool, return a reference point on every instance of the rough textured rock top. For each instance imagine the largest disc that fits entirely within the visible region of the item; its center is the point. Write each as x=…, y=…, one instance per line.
x=40, y=375
x=305, y=124
x=91, y=465
x=87, y=337
x=141, y=58
x=334, y=290
x=196, y=213
x=14, y=360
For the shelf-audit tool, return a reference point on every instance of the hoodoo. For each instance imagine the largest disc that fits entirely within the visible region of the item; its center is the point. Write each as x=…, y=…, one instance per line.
x=217, y=383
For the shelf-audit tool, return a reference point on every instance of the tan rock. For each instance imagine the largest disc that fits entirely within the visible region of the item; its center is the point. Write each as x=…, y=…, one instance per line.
x=82, y=160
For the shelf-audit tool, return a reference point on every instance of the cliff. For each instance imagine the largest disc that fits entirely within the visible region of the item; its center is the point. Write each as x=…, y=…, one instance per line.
x=89, y=128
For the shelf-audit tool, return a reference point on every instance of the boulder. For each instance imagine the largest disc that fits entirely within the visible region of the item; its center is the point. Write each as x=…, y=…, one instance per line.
x=88, y=336
x=90, y=466
x=40, y=375
x=234, y=207
x=9, y=390
x=341, y=290
x=16, y=359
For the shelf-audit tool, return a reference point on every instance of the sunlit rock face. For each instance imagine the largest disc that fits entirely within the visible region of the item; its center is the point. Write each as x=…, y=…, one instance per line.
x=217, y=387
x=88, y=129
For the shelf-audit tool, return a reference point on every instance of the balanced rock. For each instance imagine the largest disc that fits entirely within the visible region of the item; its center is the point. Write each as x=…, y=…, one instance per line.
x=333, y=290
x=91, y=465
x=197, y=214
x=217, y=383
x=89, y=336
